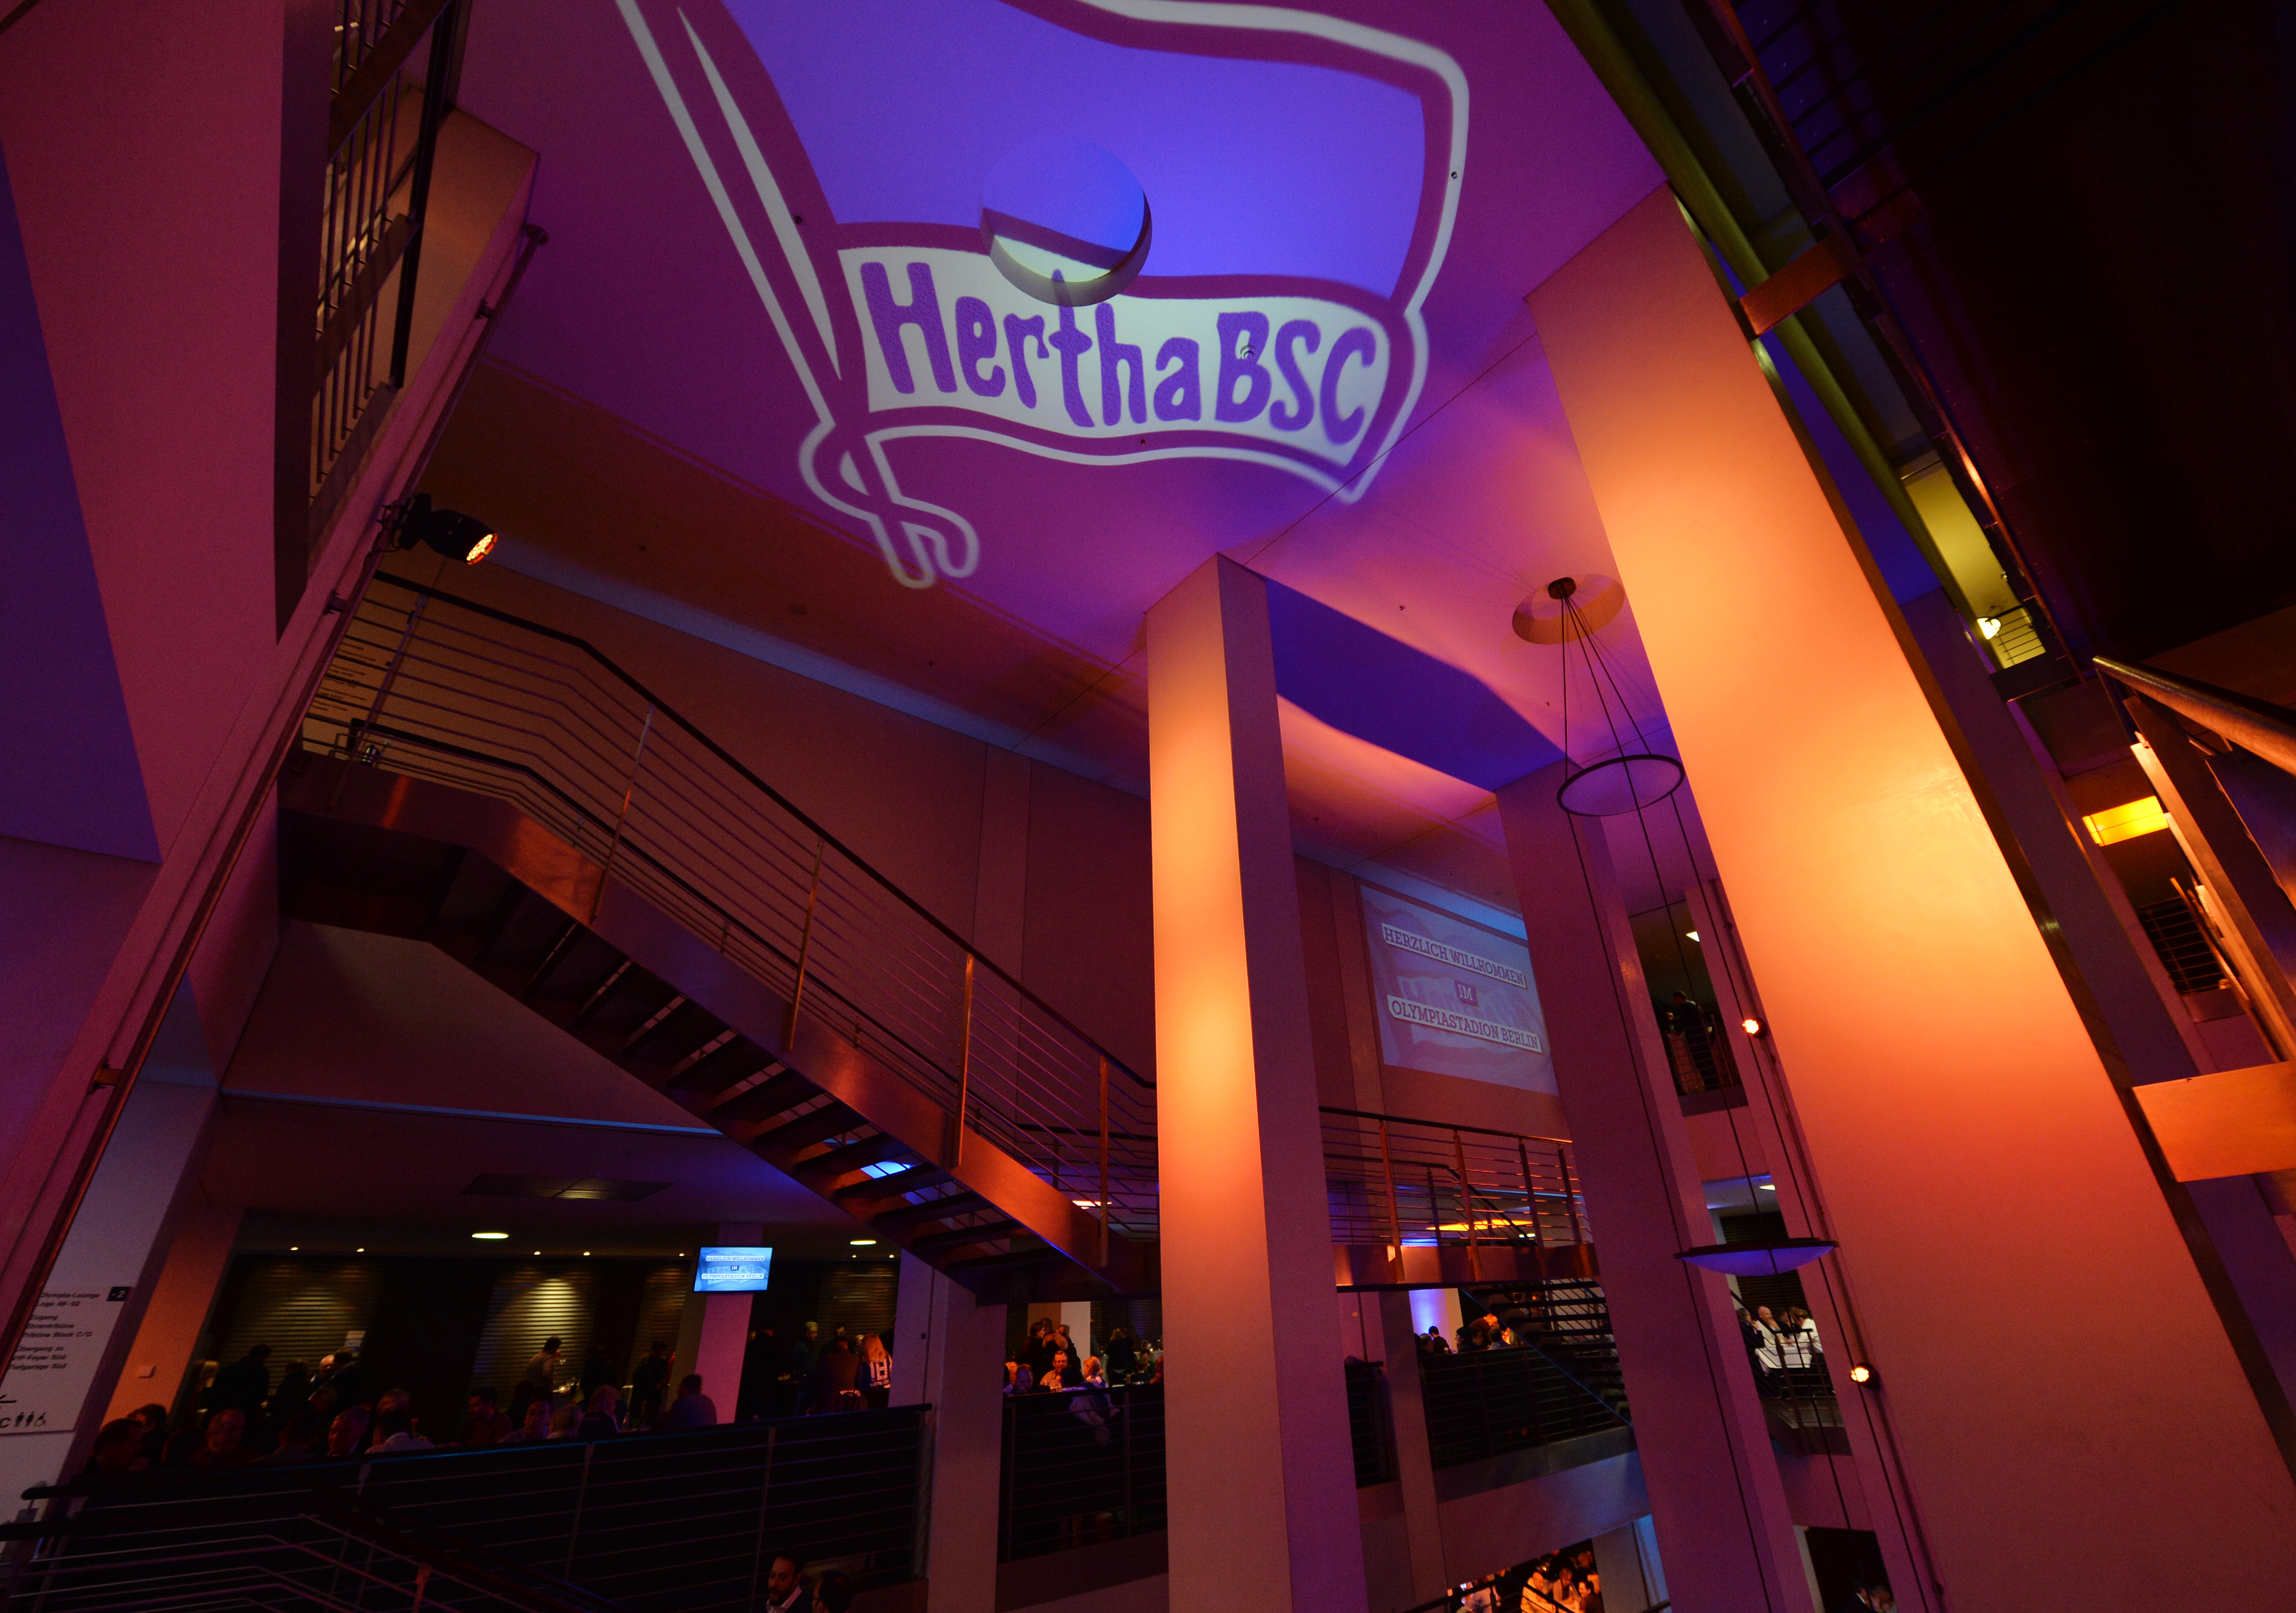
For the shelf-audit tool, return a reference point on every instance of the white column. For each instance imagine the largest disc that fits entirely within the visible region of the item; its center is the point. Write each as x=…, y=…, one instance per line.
x=951, y=1355
x=723, y=1337
x=1258, y=1468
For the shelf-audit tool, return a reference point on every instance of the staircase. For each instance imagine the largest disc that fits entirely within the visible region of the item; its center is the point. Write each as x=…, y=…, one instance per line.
x=504, y=792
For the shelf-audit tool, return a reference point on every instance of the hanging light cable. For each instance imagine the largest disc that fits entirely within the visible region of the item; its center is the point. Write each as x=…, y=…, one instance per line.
x=1633, y=781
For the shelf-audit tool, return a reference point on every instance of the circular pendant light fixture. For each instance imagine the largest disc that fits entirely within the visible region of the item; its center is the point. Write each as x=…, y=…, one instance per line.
x=1758, y=1257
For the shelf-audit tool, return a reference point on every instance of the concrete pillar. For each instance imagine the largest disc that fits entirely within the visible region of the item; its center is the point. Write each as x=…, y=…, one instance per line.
x=61, y=1381
x=1715, y=1494
x=1967, y=1134
x=951, y=1356
x=161, y=1353
x=1414, y=1466
x=721, y=1337
x=1262, y=1482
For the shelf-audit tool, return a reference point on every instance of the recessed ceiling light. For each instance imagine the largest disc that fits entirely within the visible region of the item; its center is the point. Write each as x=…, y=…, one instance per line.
x=362, y=1248
x=1692, y=934
x=586, y=1254
x=864, y=1243
x=293, y=1247
x=491, y=1237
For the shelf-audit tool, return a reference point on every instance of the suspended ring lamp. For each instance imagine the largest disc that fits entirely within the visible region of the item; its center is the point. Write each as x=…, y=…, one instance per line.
x=1758, y=1257
x=1618, y=785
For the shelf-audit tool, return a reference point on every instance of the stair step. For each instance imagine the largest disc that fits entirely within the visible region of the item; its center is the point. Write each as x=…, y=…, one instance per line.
x=764, y=1100
x=726, y=1067
x=914, y=1179
x=822, y=1169
x=932, y=1210
x=572, y=975
x=958, y=1237
x=624, y=1004
x=669, y=1041
x=1043, y=1255
x=818, y=1125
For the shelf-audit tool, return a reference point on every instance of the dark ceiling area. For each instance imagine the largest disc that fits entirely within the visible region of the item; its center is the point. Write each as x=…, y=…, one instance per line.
x=2077, y=213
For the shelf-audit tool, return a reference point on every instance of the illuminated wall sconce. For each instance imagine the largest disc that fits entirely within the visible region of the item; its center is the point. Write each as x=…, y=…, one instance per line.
x=1989, y=626
x=1862, y=1375
x=450, y=532
x=1751, y=1026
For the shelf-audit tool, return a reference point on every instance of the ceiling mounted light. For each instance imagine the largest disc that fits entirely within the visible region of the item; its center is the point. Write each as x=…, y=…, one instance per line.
x=1065, y=221
x=1692, y=934
x=450, y=532
x=491, y=1237
x=863, y=1242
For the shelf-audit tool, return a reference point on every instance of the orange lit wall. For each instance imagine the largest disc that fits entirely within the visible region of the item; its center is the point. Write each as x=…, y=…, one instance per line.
x=2069, y=1411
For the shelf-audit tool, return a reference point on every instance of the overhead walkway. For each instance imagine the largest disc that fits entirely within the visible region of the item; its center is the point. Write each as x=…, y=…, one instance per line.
x=506, y=793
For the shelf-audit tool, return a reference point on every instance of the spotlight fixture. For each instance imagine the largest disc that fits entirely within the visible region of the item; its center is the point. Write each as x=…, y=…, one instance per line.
x=450, y=532
x=491, y=1237
x=1862, y=1373
x=1751, y=1026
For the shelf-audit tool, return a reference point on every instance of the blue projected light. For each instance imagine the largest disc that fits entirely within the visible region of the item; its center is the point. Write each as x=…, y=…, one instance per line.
x=733, y=1271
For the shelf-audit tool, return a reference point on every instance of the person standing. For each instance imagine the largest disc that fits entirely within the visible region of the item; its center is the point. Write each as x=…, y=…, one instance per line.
x=541, y=1379
x=649, y=1385
x=876, y=1379
x=244, y=1385
x=1121, y=1355
x=834, y=1376
x=597, y=1373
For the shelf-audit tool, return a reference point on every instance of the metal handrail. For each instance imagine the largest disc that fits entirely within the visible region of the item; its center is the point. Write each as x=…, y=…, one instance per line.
x=442, y=687
x=671, y=714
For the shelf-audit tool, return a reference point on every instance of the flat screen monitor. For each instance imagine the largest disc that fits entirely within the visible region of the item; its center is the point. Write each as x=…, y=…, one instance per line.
x=733, y=1271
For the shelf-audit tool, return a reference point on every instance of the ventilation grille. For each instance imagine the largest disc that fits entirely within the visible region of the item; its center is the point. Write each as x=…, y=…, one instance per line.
x=661, y=1305
x=531, y=1304
x=301, y=1308
x=860, y=1299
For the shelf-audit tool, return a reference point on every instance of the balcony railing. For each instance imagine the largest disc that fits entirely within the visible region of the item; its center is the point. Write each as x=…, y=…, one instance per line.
x=1411, y=1189
x=1488, y=1402
x=649, y=1522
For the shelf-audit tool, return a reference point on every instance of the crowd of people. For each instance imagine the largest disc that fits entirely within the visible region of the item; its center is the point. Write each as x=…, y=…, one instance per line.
x=1788, y=1357
x=1561, y=1582
x=1514, y=1328
x=1049, y=1361
x=807, y=1373
x=787, y=1592
x=335, y=1411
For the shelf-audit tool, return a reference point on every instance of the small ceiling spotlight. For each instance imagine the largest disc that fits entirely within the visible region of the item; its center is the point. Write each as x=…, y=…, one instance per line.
x=450, y=532
x=1862, y=1374
x=1692, y=935
x=491, y=1237
x=1751, y=1026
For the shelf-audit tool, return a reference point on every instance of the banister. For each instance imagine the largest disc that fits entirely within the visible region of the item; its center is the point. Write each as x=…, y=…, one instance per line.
x=671, y=714
x=1442, y=1125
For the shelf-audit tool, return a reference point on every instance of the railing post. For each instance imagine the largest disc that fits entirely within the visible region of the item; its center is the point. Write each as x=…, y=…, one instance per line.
x=581, y=1496
x=1529, y=1194
x=765, y=1491
x=1394, y=1210
x=1131, y=1411
x=356, y=725
x=1467, y=1207
x=1104, y=1160
x=964, y=1061
x=621, y=818
x=1569, y=1199
x=804, y=944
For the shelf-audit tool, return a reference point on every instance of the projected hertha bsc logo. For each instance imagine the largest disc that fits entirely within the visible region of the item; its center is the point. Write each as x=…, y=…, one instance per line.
x=1301, y=171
